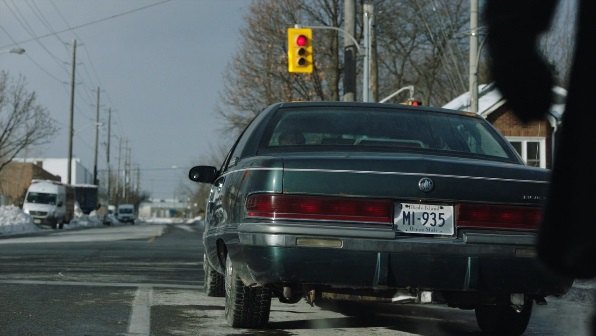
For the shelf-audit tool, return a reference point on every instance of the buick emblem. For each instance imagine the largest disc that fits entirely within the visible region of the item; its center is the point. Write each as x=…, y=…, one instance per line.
x=426, y=184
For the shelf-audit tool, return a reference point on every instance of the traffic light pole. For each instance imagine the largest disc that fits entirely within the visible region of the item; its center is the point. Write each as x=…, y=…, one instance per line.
x=361, y=51
x=409, y=88
x=349, y=51
x=368, y=13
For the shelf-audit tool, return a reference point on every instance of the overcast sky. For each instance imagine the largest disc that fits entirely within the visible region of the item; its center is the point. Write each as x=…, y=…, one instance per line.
x=158, y=65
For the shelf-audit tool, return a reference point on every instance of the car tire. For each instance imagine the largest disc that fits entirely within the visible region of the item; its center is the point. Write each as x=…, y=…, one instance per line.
x=503, y=319
x=245, y=307
x=214, y=282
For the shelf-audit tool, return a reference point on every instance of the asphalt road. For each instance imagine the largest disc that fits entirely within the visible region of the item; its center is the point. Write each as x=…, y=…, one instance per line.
x=147, y=279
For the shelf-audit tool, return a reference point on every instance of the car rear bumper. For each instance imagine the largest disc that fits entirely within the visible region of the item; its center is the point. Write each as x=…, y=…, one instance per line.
x=373, y=259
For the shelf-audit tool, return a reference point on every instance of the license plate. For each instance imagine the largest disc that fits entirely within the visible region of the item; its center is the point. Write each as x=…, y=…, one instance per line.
x=423, y=218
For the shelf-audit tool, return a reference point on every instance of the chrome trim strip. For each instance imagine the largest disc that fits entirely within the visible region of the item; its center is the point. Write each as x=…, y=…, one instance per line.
x=310, y=230
x=525, y=239
x=409, y=245
x=349, y=171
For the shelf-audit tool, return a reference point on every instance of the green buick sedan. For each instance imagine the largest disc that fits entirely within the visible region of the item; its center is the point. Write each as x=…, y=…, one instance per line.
x=339, y=201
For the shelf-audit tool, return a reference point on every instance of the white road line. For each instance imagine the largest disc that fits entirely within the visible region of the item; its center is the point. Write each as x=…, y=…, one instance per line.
x=99, y=284
x=140, y=316
x=94, y=234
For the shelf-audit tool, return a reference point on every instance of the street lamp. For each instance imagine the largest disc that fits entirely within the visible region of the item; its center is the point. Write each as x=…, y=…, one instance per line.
x=16, y=50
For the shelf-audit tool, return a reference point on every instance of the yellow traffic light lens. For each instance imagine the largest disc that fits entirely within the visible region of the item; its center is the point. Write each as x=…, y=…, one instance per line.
x=302, y=51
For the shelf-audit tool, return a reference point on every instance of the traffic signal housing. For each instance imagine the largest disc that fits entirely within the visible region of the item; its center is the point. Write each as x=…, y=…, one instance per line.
x=300, y=50
x=412, y=102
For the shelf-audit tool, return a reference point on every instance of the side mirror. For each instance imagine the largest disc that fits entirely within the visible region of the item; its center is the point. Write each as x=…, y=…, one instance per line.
x=204, y=174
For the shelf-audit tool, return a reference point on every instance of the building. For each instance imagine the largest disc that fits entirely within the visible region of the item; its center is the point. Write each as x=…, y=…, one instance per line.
x=164, y=209
x=56, y=166
x=535, y=141
x=16, y=177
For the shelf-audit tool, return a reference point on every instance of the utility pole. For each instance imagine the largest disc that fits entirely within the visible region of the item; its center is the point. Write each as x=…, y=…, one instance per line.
x=71, y=119
x=95, y=181
x=367, y=23
x=126, y=172
x=108, y=154
x=473, y=56
x=374, y=69
x=138, y=181
x=118, y=169
x=349, y=51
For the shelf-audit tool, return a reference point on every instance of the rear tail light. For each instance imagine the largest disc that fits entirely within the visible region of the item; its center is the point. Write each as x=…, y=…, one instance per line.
x=280, y=206
x=499, y=217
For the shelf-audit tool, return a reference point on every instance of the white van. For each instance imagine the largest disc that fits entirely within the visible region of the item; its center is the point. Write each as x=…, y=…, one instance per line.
x=49, y=203
x=126, y=213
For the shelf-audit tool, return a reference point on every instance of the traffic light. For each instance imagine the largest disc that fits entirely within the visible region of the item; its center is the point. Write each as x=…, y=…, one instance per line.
x=300, y=57
x=412, y=102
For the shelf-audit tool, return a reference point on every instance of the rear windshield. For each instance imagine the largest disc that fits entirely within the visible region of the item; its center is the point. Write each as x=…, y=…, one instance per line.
x=383, y=129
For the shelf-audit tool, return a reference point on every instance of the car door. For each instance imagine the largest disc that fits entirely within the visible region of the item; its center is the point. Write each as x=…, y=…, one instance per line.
x=217, y=213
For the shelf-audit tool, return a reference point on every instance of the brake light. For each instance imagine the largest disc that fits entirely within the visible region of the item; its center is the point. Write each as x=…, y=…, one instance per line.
x=280, y=206
x=499, y=217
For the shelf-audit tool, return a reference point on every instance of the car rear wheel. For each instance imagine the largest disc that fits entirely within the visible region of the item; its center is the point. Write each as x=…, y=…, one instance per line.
x=503, y=319
x=214, y=282
x=245, y=307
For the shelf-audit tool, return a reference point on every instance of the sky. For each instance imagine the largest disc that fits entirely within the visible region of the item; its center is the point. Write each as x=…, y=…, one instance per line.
x=158, y=65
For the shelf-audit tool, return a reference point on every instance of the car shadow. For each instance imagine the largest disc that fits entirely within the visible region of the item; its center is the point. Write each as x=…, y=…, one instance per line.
x=427, y=320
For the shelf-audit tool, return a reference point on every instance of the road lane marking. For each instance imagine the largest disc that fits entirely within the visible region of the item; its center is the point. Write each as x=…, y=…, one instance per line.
x=140, y=316
x=92, y=235
x=99, y=284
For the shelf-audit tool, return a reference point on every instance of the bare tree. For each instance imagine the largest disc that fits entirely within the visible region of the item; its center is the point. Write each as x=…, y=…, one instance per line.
x=23, y=122
x=423, y=43
x=258, y=76
x=418, y=43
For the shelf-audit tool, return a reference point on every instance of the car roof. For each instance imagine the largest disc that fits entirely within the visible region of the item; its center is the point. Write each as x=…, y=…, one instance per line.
x=368, y=105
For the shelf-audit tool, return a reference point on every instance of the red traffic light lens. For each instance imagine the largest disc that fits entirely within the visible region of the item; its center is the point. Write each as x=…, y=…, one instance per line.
x=301, y=40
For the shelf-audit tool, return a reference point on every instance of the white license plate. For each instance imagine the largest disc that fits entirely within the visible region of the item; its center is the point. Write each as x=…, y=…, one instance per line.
x=423, y=218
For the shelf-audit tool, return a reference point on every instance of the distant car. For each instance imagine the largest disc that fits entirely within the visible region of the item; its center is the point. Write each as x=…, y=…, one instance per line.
x=398, y=203
x=126, y=213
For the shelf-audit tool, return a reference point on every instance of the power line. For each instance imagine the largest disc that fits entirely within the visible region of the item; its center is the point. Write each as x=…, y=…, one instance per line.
x=89, y=23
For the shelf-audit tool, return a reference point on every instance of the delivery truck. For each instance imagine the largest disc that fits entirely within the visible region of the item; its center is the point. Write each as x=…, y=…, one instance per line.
x=86, y=196
x=50, y=203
